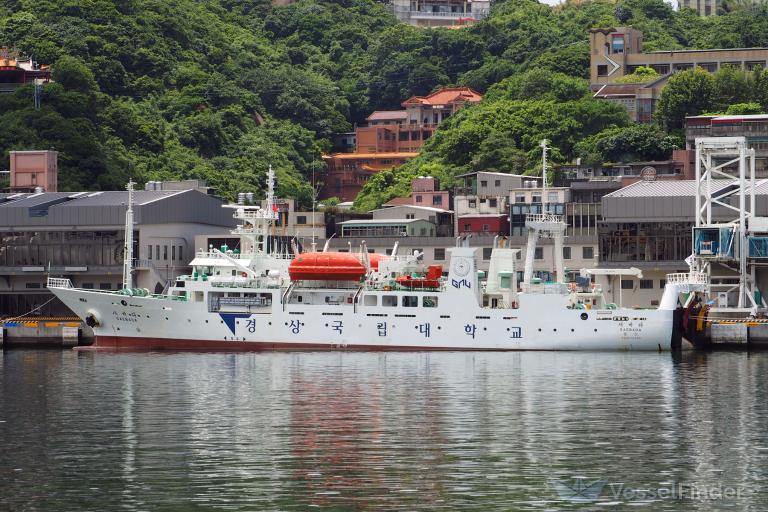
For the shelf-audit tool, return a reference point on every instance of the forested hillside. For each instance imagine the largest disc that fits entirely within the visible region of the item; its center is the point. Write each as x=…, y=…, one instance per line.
x=220, y=89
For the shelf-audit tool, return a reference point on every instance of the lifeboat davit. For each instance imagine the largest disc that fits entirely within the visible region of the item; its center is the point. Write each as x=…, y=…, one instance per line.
x=431, y=280
x=326, y=266
x=374, y=258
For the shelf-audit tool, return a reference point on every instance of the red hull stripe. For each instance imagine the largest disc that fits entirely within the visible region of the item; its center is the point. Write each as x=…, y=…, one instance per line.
x=123, y=343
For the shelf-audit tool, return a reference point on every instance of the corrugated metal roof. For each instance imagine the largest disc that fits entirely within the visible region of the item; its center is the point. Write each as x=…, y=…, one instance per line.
x=380, y=221
x=425, y=208
x=114, y=198
x=666, y=188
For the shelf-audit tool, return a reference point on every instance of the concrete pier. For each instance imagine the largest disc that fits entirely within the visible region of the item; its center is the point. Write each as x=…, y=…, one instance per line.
x=44, y=332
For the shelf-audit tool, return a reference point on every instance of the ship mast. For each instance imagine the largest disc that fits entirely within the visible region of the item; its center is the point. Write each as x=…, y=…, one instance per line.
x=128, y=248
x=546, y=225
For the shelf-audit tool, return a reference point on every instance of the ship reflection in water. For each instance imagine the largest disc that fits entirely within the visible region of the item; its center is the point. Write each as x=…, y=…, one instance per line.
x=364, y=431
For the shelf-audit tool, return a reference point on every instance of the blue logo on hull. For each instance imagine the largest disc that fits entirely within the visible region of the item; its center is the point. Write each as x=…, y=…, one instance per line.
x=231, y=318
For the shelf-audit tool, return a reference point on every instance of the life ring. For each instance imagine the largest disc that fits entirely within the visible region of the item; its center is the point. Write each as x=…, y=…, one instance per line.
x=572, y=287
x=387, y=288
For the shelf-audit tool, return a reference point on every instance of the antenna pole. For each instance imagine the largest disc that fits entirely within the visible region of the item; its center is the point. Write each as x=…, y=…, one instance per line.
x=128, y=249
x=314, y=201
x=543, y=146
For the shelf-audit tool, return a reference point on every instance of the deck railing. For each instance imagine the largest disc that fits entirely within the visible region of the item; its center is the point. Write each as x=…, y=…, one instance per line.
x=58, y=282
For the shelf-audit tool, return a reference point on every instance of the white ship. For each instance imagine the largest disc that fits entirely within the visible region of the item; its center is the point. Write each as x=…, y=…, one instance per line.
x=258, y=300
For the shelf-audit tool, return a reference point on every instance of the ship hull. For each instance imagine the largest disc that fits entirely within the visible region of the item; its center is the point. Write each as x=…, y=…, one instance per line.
x=150, y=323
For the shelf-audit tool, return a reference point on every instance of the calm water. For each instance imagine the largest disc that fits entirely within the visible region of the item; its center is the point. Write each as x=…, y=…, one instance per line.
x=358, y=431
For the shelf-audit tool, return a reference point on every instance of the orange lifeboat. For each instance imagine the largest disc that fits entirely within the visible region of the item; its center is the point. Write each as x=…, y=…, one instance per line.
x=326, y=266
x=431, y=280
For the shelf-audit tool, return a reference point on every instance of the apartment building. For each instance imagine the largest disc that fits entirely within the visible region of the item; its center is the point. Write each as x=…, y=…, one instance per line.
x=390, y=139
x=481, y=201
x=440, y=13
x=618, y=51
x=425, y=191
x=702, y=7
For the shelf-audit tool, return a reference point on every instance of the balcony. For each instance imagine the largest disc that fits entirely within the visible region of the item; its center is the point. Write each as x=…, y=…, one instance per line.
x=430, y=14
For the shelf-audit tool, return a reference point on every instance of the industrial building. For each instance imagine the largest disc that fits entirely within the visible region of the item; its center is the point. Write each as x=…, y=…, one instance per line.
x=80, y=236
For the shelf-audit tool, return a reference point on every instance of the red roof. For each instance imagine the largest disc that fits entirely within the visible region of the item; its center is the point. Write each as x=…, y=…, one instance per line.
x=446, y=96
x=399, y=201
x=387, y=115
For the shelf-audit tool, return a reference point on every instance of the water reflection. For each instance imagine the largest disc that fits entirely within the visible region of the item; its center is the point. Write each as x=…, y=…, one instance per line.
x=356, y=431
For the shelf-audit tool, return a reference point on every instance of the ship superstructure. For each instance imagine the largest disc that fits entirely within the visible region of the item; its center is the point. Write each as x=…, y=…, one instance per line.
x=259, y=299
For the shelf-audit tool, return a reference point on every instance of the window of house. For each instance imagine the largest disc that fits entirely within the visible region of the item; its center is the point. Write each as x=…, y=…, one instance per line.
x=439, y=254
x=437, y=200
x=472, y=203
x=388, y=252
x=646, y=284
x=662, y=283
x=410, y=301
x=410, y=216
x=165, y=252
x=173, y=252
x=88, y=286
x=157, y=252
x=467, y=227
x=519, y=255
x=626, y=284
x=33, y=285
x=418, y=199
x=617, y=45
x=483, y=183
x=149, y=252
x=486, y=228
x=181, y=257
x=536, y=198
x=587, y=252
x=519, y=197
x=539, y=253
x=423, y=231
x=552, y=197
x=566, y=253
x=497, y=183
x=105, y=286
x=492, y=203
x=602, y=70
x=487, y=252
x=301, y=219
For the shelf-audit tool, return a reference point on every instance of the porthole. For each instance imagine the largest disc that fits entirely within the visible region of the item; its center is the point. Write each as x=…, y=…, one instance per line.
x=584, y=316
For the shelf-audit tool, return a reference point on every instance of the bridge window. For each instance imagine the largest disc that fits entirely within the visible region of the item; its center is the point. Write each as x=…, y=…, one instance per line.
x=410, y=301
x=389, y=301
x=429, y=301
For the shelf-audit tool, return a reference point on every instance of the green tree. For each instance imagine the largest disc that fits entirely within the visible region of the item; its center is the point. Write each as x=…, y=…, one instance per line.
x=688, y=93
x=626, y=144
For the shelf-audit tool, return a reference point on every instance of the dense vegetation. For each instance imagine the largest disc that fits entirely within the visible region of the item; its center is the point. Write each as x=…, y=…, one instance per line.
x=220, y=89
